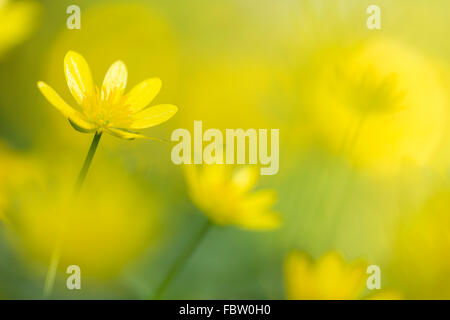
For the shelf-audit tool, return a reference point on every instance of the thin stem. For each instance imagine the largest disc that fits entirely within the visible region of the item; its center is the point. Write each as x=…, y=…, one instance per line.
x=87, y=162
x=180, y=262
x=342, y=190
x=56, y=253
x=326, y=174
x=347, y=144
x=51, y=272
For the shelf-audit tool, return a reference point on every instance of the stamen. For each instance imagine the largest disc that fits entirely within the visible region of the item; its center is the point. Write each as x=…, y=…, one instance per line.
x=108, y=109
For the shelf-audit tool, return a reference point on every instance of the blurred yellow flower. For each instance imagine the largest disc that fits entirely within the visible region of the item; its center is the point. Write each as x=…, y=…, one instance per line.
x=108, y=109
x=103, y=231
x=224, y=196
x=329, y=278
x=15, y=171
x=379, y=103
x=16, y=22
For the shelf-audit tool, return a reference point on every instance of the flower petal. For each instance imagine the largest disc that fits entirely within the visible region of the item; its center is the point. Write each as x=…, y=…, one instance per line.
x=115, y=78
x=260, y=200
x=76, y=117
x=153, y=116
x=143, y=94
x=78, y=76
x=261, y=221
x=255, y=212
x=244, y=178
x=299, y=276
x=339, y=280
x=128, y=135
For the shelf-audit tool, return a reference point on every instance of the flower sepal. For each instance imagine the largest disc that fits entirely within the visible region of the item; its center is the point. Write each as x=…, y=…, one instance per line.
x=80, y=129
x=130, y=135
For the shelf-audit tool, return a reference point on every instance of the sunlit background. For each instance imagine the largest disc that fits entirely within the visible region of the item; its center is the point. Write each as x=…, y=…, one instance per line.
x=364, y=148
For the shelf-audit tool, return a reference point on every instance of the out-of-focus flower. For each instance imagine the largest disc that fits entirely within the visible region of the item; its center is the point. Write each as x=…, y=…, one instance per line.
x=108, y=109
x=379, y=104
x=421, y=261
x=16, y=22
x=15, y=171
x=329, y=278
x=110, y=224
x=225, y=196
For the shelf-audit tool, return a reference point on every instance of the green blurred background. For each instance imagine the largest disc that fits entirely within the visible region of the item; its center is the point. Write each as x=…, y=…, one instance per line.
x=231, y=64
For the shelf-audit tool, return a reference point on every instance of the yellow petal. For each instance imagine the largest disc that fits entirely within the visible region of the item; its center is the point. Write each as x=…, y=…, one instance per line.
x=153, y=116
x=76, y=117
x=17, y=22
x=259, y=221
x=337, y=279
x=115, y=78
x=299, y=280
x=260, y=200
x=194, y=184
x=78, y=76
x=215, y=176
x=127, y=135
x=245, y=178
x=142, y=94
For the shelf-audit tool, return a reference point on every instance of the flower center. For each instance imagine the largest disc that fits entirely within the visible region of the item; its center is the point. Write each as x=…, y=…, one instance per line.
x=108, y=109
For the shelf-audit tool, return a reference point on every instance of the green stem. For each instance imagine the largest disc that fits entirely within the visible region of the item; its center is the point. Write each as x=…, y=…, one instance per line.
x=87, y=161
x=56, y=253
x=180, y=262
x=340, y=192
x=53, y=266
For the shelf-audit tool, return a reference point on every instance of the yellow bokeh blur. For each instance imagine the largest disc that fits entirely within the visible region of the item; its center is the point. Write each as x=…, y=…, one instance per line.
x=105, y=228
x=364, y=152
x=17, y=21
x=380, y=104
x=421, y=263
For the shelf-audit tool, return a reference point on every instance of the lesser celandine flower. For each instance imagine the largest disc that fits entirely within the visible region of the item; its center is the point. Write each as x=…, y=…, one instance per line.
x=108, y=109
x=226, y=196
x=379, y=103
x=16, y=22
x=328, y=278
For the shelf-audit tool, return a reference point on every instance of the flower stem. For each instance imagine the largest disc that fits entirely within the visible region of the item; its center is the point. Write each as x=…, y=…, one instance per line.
x=329, y=176
x=53, y=266
x=180, y=262
x=340, y=192
x=56, y=253
x=87, y=162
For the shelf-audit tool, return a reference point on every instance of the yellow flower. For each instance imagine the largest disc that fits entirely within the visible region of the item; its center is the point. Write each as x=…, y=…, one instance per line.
x=16, y=22
x=224, y=196
x=16, y=170
x=380, y=104
x=329, y=278
x=108, y=109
